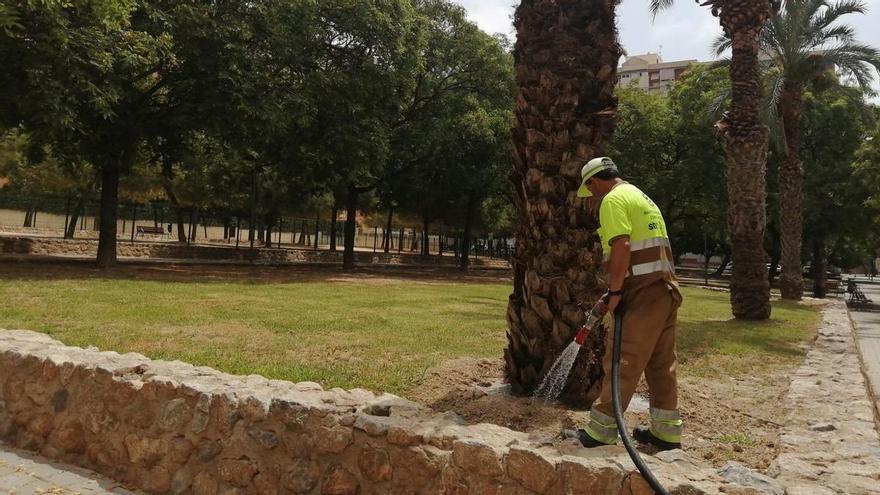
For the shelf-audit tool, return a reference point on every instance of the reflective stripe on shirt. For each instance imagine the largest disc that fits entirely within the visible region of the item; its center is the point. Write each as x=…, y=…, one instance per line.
x=649, y=243
x=654, y=266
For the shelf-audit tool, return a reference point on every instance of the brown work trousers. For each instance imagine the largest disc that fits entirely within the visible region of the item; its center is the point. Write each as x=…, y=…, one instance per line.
x=648, y=346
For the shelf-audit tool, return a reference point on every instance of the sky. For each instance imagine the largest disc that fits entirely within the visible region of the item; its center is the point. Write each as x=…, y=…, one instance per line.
x=683, y=32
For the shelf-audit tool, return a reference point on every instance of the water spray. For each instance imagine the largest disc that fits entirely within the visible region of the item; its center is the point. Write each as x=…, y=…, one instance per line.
x=553, y=383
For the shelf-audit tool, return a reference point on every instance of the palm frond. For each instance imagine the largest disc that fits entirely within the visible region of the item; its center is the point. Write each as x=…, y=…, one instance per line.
x=721, y=44
x=855, y=60
x=805, y=41
x=834, y=12
x=658, y=5
x=716, y=107
x=770, y=112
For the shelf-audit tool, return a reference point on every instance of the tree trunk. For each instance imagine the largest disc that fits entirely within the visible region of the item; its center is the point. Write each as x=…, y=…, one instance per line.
x=350, y=217
x=108, y=213
x=426, y=248
x=317, y=228
x=168, y=186
x=270, y=222
x=723, y=266
x=302, y=234
x=744, y=138
x=566, y=59
x=252, y=224
x=181, y=227
x=465, y=249
x=74, y=217
x=819, y=269
x=30, y=216
x=791, y=195
x=335, y=213
x=194, y=226
x=386, y=242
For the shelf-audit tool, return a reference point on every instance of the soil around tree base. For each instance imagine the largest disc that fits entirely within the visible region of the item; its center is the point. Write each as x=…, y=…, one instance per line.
x=725, y=419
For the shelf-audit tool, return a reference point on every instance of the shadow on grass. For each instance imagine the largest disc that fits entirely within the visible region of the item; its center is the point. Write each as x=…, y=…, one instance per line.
x=55, y=269
x=754, y=343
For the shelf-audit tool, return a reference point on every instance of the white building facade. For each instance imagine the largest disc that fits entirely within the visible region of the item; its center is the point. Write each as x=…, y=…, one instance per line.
x=650, y=74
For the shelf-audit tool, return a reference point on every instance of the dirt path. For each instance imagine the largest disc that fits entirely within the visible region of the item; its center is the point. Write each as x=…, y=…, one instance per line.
x=728, y=419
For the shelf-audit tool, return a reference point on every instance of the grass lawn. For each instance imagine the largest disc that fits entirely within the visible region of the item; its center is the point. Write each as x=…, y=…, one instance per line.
x=377, y=334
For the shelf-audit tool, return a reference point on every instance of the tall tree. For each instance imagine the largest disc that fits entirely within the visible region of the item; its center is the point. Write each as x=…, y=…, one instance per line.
x=566, y=57
x=744, y=138
x=805, y=43
x=838, y=214
x=88, y=95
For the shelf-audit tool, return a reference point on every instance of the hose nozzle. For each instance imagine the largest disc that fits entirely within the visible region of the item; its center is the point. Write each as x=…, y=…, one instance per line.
x=594, y=316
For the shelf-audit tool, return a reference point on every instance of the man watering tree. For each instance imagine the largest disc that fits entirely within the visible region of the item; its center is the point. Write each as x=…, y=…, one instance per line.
x=641, y=281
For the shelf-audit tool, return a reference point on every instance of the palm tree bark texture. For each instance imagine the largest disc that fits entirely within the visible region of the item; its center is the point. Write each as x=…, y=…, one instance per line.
x=791, y=186
x=744, y=138
x=566, y=68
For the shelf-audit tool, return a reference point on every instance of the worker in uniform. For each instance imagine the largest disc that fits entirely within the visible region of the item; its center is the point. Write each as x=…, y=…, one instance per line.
x=637, y=258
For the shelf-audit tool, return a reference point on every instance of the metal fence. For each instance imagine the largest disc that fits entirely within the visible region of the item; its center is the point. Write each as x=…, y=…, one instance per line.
x=158, y=221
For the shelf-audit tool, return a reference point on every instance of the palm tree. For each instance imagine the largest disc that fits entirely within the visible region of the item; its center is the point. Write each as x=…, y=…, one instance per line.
x=744, y=138
x=805, y=44
x=566, y=58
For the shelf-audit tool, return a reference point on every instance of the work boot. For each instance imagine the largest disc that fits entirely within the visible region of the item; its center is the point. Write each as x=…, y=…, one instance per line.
x=643, y=434
x=585, y=439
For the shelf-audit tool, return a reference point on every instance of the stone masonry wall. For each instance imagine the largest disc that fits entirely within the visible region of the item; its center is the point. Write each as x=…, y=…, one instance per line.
x=170, y=427
x=53, y=246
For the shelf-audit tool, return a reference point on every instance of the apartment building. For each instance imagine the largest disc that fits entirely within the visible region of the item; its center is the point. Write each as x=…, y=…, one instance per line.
x=649, y=73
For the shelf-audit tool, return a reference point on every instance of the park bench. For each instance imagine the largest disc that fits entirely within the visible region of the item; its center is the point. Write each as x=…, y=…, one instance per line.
x=855, y=296
x=144, y=230
x=833, y=287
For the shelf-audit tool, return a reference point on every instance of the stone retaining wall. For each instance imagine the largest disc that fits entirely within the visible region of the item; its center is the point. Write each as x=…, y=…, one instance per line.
x=169, y=427
x=49, y=246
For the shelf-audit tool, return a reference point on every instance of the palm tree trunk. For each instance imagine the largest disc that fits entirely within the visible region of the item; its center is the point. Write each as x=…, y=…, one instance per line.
x=566, y=68
x=744, y=138
x=791, y=196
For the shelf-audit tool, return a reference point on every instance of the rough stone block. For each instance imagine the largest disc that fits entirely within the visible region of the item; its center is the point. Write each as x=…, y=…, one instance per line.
x=531, y=469
x=476, y=457
x=333, y=440
x=375, y=464
x=145, y=451
x=175, y=415
x=238, y=472
x=301, y=476
x=339, y=481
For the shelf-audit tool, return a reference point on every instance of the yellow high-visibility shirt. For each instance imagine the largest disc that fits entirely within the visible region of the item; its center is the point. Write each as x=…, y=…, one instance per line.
x=627, y=211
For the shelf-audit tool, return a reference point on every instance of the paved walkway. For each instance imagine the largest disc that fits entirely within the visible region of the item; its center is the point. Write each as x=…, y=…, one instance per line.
x=829, y=444
x=867, y=326
x=22, y=473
